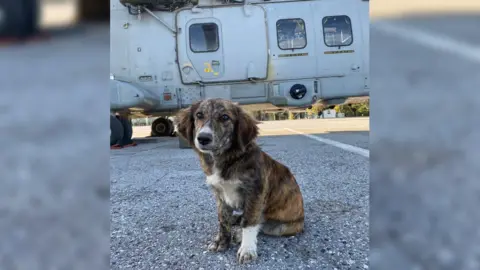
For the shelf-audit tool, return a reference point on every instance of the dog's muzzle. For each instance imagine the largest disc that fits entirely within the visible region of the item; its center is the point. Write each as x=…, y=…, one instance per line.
x=204, y=139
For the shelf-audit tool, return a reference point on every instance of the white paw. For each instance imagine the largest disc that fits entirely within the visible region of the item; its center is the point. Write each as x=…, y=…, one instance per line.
x=246, y=253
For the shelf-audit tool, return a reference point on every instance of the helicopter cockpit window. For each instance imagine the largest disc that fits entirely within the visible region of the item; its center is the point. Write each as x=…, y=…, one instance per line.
x=291, y=34
x=337, y=31
x=204, y=37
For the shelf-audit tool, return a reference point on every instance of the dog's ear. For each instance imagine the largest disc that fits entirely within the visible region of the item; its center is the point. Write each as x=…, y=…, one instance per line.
x=185, y=122
x=246, y=128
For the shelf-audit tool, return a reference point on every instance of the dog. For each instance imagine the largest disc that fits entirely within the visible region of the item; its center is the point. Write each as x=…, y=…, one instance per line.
x=252, y=190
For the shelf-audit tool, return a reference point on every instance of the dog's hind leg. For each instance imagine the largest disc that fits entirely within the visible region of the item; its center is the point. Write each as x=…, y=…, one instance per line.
x=276, y=228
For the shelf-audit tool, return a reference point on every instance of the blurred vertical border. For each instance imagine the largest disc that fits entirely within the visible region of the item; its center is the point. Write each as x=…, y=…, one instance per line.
x=54, y=116
x=424, y=187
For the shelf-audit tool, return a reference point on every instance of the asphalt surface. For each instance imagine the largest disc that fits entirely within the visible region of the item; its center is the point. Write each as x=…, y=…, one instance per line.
x=163, y=213
x=424, y=137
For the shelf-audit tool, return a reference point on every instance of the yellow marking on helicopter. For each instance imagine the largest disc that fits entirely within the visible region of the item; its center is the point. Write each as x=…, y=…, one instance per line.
x=208, y=69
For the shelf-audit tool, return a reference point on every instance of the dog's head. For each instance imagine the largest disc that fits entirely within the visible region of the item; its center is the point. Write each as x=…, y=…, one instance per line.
x=216, y=126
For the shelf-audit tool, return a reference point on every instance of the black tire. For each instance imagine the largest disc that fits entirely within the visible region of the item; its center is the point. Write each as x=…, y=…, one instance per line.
x=10, y=18
x=162, y=127
x=116, y=131
x=127, y=130
x=31, y=17
x=19, y=18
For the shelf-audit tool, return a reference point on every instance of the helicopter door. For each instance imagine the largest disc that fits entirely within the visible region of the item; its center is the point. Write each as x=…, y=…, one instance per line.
x=342, y=52
x=222, y=44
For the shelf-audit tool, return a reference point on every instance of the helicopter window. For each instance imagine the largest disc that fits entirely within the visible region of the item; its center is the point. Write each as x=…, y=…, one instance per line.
x=291, y=34
x=337, y=31
x=204, y=37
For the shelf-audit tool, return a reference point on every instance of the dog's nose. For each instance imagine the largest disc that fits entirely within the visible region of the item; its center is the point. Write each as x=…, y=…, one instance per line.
x=204, y=138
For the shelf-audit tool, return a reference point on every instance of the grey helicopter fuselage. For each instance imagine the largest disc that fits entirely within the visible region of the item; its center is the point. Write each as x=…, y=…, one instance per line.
x=285, y=53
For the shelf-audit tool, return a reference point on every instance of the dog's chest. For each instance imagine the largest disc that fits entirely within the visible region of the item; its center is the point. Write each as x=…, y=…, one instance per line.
x=228, y=190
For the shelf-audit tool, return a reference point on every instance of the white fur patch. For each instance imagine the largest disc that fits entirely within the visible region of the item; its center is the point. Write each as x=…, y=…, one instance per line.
x=205, y=129
x=249, y=241
x=228, y=189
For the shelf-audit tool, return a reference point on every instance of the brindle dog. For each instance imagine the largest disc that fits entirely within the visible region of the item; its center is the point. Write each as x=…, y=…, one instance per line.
x=252, y=189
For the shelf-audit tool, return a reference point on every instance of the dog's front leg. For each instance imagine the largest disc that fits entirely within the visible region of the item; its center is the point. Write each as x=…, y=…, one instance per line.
x=251, y=224
x=223, y=237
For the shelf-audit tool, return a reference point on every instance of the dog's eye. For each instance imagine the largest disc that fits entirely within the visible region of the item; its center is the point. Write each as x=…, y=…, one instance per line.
x=199, y=115
x=225, y=117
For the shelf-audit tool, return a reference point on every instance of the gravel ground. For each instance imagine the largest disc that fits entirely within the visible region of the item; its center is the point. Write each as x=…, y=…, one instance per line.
x=163, y=214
